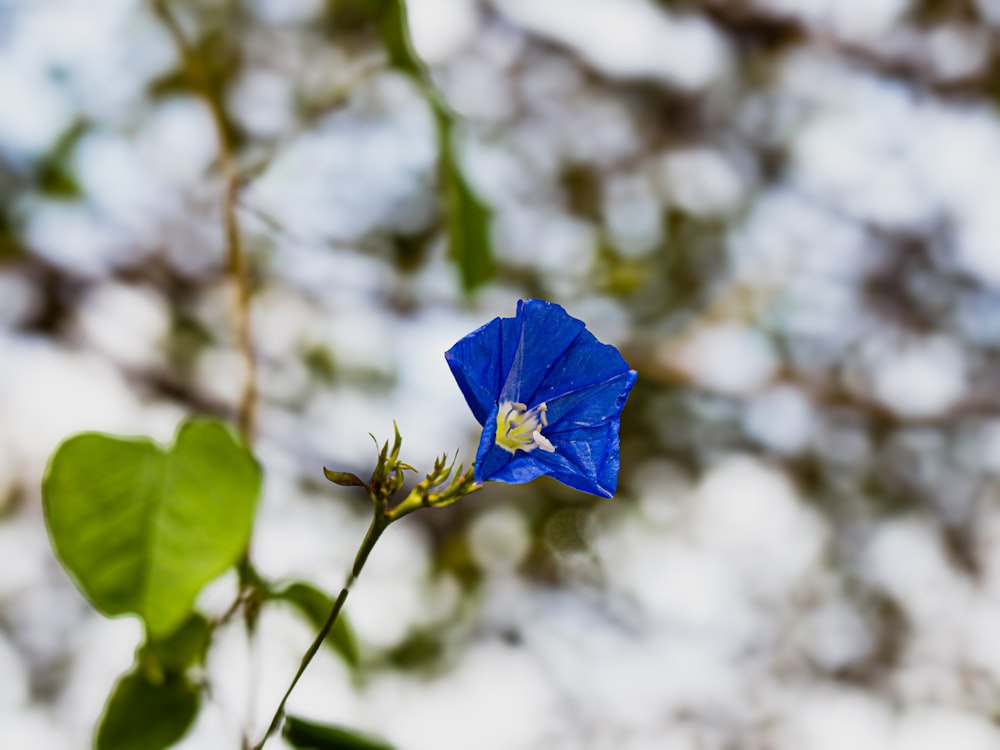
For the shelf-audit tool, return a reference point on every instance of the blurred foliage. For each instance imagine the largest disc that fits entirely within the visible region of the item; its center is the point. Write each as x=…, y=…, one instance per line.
x=55, y=171
x=468, y=218
x=863, y=462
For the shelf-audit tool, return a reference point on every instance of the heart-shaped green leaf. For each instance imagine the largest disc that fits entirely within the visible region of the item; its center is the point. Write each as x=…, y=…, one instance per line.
x=142, y=529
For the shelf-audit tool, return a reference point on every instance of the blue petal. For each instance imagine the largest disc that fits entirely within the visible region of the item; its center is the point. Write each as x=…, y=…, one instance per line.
x=586, y=363
x=480, y=363
x=546, y=332
x=586, y=459
x=490, y=457
x=589, y=405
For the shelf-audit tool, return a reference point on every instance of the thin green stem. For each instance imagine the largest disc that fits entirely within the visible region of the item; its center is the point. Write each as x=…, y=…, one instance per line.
x=380, y=522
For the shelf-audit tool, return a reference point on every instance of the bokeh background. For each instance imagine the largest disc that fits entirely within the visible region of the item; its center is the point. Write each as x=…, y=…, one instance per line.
x=786, y=213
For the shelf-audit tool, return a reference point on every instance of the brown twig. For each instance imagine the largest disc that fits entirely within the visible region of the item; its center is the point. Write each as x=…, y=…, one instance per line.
x=236, y=258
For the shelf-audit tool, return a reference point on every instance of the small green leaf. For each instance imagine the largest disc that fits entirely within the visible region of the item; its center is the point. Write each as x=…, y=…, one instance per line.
x=142, y=529
x=344, y=478
x=307, y=735
x=316, y=606
x=182, y=649
x=142, y=715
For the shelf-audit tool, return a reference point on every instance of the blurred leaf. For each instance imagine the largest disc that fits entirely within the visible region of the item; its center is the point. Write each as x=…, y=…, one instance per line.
x=410, y=251
x=316, y=606
x=54, y=172
x=423, y=648
x=581, y=184
x=468, y=226
x=10, y=244
x=142, y=715
x=468, y=217
x=142, y=529
x=320, y=362
x=170, y=84
x=348, y=16
x=182, y=649
x=308, y=735
x=186, y=339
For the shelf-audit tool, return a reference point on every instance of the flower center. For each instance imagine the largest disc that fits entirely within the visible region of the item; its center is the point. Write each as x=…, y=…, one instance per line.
x=520, y=428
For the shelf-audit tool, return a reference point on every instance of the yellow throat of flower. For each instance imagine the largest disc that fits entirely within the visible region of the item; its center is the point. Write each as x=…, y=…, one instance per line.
x=520, y=428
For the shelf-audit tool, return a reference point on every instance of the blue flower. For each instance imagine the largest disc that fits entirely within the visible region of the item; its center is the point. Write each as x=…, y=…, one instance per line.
x=548, y=395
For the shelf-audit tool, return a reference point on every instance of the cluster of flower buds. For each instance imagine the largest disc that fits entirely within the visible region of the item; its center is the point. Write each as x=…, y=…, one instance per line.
x=443, y=485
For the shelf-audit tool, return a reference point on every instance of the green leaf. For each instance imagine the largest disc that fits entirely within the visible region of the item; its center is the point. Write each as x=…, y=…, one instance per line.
x=468, y=217
x=307, y=735
x=468, y=224
x=55, y=172
x=316, y=606
x=143, y=715
x=142, y=529
x=182, y=649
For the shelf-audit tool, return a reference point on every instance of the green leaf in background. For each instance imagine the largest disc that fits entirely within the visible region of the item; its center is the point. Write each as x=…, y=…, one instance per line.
x=182, y=649
x=153, y=705
x=468, y=217
x=316, y=606
x=468, y=225
x=307, y=735
x=142, y=529
x=145, y=715
x=55, y=172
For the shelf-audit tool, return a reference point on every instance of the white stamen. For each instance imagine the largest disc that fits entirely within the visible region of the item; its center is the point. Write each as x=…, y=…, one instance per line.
x=542, y=442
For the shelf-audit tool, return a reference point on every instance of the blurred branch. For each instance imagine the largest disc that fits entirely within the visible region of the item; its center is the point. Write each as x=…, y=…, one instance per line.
x=762, y=32
x=363, y=71
x=236, y=259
